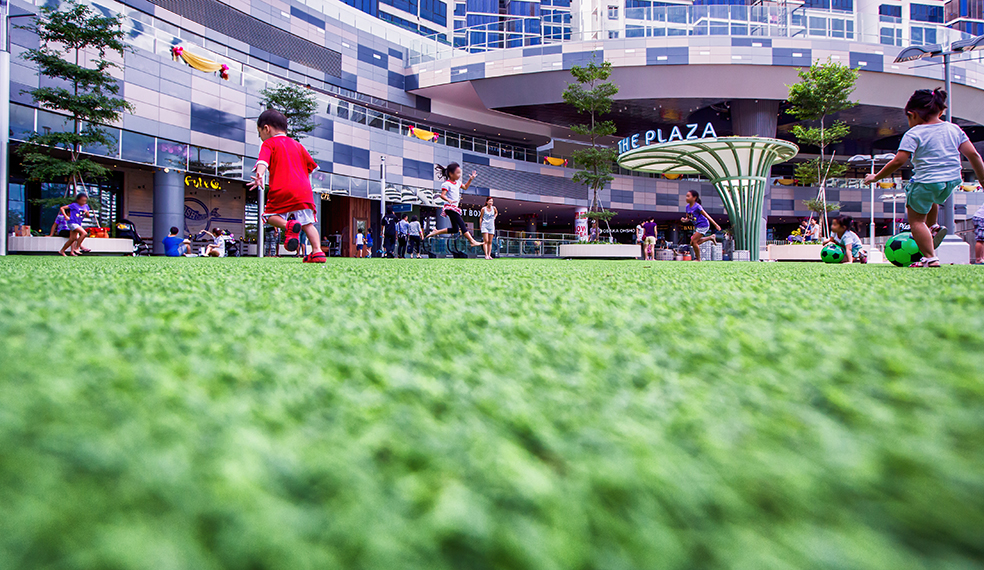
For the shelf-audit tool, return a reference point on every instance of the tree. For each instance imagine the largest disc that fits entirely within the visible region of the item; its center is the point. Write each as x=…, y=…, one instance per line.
x=592, y=95
x=297, y=103
x=824, y=89
x=86, y=91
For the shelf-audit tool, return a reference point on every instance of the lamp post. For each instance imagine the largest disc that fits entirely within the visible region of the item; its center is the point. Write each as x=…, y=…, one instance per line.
x=914, y=53
x=881, y=158
x=894, y=197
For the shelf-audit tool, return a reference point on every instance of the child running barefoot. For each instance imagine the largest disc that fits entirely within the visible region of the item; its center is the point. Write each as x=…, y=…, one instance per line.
x=75, y=213
x=290, y=168
x=451, y=195
x=702, y=222
x=935, y=147
x=843, y=236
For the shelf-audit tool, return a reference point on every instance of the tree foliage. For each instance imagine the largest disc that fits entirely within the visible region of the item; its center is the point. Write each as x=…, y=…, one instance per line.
x=821, y=207
x=824, y=89
x=591, y=95
x=297, y=103
x=85, y=90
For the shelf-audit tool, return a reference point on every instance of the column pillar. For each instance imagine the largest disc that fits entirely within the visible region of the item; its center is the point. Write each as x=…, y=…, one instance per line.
x=581, y=223
x=168, y=205
x=757, y=118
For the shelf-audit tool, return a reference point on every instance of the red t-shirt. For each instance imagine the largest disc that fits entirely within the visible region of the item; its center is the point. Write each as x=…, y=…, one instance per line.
x=290, y=168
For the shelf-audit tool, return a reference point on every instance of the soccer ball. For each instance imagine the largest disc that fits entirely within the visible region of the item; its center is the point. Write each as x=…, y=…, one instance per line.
x=832, y=253
x=902, y=250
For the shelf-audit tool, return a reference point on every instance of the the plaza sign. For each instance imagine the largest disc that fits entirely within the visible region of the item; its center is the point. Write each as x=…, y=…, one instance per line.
x=656, y=136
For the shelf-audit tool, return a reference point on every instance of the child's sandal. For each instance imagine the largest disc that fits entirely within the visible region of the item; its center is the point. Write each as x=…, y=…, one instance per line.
x=927, y=262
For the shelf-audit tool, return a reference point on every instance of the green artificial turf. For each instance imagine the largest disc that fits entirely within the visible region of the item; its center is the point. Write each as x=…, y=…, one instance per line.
x=392, y=415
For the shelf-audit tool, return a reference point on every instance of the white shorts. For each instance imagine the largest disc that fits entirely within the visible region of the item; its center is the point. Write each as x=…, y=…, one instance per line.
x=488, y=228
x=73, y=227
x=703, y=230
x=304, y=217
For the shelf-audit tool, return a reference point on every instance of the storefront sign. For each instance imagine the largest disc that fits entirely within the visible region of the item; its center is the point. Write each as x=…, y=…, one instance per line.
x=202, y=183
x=657, y=137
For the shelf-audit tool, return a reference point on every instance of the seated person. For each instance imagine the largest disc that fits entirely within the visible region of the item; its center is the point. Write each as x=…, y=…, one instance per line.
x=176, y=246
x=218, y=246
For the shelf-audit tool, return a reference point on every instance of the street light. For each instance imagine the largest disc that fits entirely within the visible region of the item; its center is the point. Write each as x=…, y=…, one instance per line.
x=881, y=158
x=914, y=53
x=895, y=198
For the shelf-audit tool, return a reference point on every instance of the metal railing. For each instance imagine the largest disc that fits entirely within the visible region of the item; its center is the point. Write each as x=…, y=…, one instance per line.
x=665, y=21
x=502, y=246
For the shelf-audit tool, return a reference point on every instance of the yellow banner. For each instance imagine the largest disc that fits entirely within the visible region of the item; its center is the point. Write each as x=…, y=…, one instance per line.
x=422, y=134
x=555, y=161
x=200, y=63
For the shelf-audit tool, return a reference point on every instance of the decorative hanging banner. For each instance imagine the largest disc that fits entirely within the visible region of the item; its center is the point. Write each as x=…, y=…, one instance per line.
x=555, y=161
x=200, y=63
x=422, y=134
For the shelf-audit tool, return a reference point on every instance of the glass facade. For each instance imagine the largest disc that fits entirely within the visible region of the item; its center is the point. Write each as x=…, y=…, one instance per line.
x=926, y=13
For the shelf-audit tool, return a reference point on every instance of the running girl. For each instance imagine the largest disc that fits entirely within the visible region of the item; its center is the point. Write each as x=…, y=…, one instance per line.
x=489, y=214
x=75, y=213
x=935, y=147
x=451, y=195
x=844, y=236
x=702, y=222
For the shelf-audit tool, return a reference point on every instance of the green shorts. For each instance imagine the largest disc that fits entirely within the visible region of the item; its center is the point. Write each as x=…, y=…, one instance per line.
x=920, y=196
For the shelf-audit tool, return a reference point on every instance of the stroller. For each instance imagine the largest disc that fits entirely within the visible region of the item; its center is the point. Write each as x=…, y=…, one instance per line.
x=126, y=230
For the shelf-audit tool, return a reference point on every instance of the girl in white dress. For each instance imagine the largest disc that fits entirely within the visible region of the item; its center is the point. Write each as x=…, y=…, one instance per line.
x=489, y=214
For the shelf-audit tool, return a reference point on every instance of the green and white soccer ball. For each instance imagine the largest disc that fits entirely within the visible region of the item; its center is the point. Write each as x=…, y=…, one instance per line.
x=902, y=250
x=832, y=253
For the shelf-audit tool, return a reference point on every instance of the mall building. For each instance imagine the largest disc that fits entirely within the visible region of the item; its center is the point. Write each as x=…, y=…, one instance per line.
x=412, y=83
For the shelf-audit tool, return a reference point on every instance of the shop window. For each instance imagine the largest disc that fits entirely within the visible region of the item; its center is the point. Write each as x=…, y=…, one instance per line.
x=202, y=160
x=53, y=123
x=171, y=154
x=138, y=148
x=342, y=110
x=375, y=119
x=16, y=204
x=358, y=187
x=21, y=122
x=392, y=124
x=230, y=165
x=340, y=184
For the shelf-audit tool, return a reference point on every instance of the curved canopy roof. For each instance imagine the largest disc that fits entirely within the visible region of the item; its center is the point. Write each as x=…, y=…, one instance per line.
x=718, y=159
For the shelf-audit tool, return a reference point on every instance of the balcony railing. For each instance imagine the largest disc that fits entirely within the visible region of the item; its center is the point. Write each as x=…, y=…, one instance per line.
x=663, y=21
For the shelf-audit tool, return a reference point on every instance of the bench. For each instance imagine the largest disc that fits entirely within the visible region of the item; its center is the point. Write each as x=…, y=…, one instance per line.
x=45, y=244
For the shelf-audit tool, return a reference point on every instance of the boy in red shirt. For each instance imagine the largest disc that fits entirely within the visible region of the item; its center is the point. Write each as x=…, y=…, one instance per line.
x=290, y=192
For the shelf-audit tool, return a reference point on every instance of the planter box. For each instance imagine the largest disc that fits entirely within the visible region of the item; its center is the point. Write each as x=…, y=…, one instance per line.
x=799, y=252
x=599, y=251
x=44, y=244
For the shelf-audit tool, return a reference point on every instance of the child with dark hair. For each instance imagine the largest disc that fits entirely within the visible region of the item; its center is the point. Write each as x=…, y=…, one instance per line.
x=451, y=195
x=290, y=194
x=702, y=222
x=75, y=213
x=935, y=147
x=175, y=245
x=842, y=233
x=416, y=233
